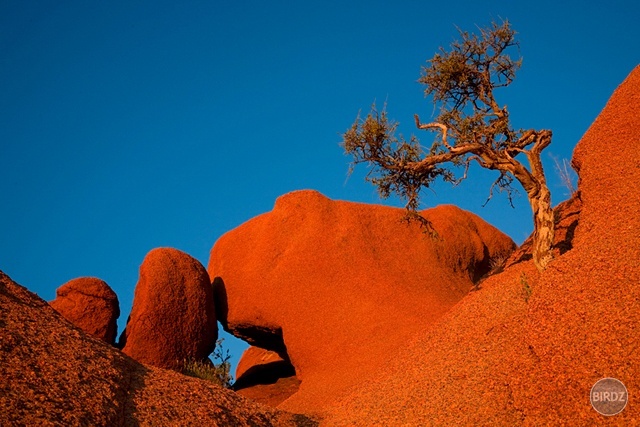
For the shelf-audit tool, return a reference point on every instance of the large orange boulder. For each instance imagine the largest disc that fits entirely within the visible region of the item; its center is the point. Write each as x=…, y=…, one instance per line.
x=90, y=304
x=173, y=316
x=337, y=287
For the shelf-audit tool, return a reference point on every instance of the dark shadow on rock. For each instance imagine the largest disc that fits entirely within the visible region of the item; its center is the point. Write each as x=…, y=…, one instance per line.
x=269, y=384
x=268, y=373
x=568, y=218
x=268, y=337
x=482, y=268
x=221, y=301
x=131, y=382
x=567, y=244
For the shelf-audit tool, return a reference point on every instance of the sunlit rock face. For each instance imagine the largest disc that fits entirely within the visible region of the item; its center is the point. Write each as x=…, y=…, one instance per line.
x=90, y=304
x=173, y=315
x=336, y=287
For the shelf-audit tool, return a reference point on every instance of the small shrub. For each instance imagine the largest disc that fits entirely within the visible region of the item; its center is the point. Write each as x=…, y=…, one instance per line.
x=219, y=373
x=526, y=288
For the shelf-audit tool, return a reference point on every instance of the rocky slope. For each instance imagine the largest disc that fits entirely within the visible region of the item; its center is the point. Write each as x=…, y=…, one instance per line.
x=54, y=374
x=527, y=348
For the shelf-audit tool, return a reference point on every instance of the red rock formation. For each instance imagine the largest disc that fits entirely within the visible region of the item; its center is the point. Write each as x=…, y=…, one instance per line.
x=54, y=374
x=90, y=304
x=265, y=377
x=339, y=287
x=585, y=314
x=253, y=358
x=173, y=315
x=527, y=348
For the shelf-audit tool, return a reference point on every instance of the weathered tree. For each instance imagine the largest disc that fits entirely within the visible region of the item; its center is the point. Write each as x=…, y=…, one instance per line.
x=471, y=127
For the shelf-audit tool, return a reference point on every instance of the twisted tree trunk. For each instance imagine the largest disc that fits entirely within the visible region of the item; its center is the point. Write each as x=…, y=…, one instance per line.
x=544, y=227
x=544, y=224
x=532, y=180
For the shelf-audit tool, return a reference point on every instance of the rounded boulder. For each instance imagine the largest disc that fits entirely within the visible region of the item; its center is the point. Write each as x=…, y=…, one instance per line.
x=91, y=305
x=173, y=316
x=337, y=287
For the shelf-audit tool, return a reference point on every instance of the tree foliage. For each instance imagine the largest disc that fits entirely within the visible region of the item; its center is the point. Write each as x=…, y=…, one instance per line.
x=373, y=140
x=471, y=127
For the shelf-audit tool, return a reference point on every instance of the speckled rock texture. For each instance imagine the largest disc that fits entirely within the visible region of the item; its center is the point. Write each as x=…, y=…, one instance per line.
x=173, y=315
x=526, y=348
x=338, y=287
x=54, y=374
x=90, y=304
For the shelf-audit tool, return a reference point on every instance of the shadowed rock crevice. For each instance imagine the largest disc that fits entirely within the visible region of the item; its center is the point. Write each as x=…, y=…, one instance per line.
x=261, y=336
x=265, y=377
x=258, y=333
x=268, y=373
x=483, y=267
x=132, y=382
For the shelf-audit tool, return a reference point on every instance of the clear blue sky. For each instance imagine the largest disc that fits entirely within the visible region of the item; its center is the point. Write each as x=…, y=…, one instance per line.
x=126, y=126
